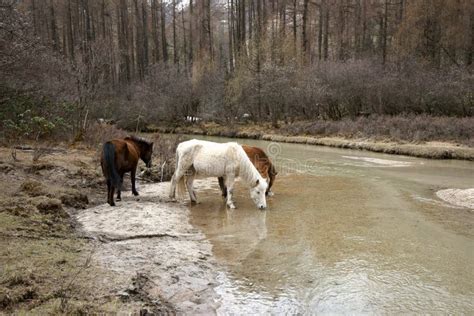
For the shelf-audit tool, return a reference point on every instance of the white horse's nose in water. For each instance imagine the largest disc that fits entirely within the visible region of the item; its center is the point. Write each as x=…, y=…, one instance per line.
x=262, y=207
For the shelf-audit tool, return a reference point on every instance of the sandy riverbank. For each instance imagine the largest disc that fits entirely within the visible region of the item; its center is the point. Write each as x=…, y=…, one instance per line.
x=149, y=239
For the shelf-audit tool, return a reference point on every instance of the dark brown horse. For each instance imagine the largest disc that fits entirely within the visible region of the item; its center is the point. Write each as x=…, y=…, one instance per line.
x=120, y=156
x=263, y=164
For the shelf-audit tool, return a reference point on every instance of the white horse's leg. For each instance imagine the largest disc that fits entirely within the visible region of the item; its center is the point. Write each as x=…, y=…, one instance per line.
x=229, y=182
x=189, y=185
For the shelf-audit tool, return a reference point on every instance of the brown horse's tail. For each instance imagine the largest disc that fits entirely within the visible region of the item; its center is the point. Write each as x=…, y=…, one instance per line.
x=109, y=158
x=271, y=174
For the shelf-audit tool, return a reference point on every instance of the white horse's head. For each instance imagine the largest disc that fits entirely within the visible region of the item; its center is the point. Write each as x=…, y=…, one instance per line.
x=257, y=193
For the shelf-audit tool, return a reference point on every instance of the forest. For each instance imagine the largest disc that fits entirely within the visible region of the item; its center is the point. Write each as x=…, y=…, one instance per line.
x=64, y=64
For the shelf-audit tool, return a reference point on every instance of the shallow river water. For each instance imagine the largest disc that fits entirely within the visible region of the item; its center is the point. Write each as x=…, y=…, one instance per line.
x=346, y=231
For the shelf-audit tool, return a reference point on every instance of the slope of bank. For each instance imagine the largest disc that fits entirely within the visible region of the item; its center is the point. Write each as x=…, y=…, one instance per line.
x=430, y=149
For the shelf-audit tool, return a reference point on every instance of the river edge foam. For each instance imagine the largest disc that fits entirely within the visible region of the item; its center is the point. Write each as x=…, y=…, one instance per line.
x=458, y=197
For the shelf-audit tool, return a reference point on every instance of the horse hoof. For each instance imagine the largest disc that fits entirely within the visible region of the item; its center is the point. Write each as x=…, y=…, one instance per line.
x=135, y=193
x=119, y=199
x=231, y=206
x=112, y=204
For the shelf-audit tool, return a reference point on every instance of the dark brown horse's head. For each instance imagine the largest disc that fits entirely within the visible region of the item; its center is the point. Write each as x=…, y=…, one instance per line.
x=145, y=147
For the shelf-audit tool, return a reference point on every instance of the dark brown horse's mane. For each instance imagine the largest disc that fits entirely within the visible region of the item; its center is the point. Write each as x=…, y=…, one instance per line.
x=138, y=140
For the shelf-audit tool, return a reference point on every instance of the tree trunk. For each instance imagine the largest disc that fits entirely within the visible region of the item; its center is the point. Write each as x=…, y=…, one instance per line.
x=154, y=31
x=185, y=49
x=70, y=34
x=145, y=35
x=294, y=26
x=326, y=32
x=470, y=45
x=230, y=31
x=102, y=19
x=209, y=28
x=384, y=34
x=175, y=47
x=54, y=28
x=304, y=35
x=164, y=44
x=320, y=32
x=125, y=69
x=191, y=26
x=138, y=42
x=341, y=23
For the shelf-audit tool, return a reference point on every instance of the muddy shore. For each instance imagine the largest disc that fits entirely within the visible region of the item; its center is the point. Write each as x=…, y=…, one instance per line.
x=430, y=150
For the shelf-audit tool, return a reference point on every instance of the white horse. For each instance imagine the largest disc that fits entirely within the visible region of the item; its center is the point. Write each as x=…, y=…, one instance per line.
x=208, y=159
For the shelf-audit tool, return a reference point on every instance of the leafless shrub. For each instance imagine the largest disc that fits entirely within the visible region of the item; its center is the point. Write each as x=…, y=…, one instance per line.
x=163, y=159
x=38, y=152
x=65, y=291
x=97, y=134
x=13, y=154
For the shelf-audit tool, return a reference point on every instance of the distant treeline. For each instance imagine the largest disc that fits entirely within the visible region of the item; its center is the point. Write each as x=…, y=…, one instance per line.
x=65, y=63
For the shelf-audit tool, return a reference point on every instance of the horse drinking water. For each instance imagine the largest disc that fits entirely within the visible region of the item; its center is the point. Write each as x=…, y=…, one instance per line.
x=263, y=164
x=198, y=158
x=120, y=156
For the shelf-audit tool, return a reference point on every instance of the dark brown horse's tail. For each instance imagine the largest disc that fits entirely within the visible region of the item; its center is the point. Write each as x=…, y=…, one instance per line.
x=271, y=174
x=109, y=158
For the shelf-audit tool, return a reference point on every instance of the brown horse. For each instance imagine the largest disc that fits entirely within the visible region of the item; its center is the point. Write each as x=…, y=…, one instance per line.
x=120, y=156
x=263, y=164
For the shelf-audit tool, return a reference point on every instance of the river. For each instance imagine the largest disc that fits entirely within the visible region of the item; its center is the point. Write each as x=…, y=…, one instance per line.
x=346, y=231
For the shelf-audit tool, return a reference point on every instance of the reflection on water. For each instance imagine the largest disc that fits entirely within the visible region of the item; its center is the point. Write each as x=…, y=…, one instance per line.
x=342, y=237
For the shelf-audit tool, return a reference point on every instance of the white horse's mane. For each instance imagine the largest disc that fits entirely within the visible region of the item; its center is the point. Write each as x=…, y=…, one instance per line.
x=247, y=170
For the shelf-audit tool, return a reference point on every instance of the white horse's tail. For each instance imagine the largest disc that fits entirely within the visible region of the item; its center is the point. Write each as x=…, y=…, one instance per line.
x=181, y=187
x=181, y=183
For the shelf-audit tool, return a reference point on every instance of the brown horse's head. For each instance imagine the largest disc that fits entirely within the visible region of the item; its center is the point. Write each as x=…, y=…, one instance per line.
x=145, y=147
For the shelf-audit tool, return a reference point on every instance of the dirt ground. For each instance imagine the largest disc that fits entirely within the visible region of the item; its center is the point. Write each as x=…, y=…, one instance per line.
x=48, y=264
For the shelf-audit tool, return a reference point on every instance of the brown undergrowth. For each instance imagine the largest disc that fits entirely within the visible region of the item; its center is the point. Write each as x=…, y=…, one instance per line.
x=418, y=136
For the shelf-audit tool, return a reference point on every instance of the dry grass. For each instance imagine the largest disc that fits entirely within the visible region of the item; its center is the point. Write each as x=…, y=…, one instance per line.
x=428, y=150
x=419, y=136
x=40, y=250
x=411, y=128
